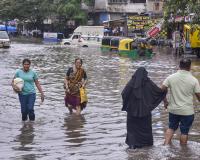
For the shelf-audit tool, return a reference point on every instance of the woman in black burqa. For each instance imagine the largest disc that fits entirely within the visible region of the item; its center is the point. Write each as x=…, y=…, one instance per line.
x=140, y=96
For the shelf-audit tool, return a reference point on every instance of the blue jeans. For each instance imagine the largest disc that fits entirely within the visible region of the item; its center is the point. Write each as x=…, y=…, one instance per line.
x=27, y=106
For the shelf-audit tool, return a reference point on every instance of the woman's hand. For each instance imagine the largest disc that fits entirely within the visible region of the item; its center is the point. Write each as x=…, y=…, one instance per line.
x=16, y=89
x=83, y=85
x=42, y=97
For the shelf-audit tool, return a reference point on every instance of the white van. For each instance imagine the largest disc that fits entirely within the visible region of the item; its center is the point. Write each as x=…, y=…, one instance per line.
x=4, y=39
x=85, y=36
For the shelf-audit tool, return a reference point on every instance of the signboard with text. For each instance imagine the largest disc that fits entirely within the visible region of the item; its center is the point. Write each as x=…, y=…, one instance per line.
x=137, y=22
x=138, y=25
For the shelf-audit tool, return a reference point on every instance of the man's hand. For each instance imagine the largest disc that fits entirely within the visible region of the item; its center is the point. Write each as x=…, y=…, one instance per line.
x=166, y=103
x=198, y=96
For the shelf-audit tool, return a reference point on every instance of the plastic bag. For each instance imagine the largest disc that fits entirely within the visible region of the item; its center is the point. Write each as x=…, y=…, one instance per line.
x=83, y=95
x=18, y=84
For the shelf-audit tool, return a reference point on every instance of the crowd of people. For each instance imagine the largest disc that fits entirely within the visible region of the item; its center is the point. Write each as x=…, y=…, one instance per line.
x=114, y=31
x=140, y=97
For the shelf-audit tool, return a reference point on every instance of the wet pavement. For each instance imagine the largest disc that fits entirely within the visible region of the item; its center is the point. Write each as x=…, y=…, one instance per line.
x=99, y=133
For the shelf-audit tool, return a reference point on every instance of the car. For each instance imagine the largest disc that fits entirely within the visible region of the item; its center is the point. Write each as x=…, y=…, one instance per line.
x=4, y=40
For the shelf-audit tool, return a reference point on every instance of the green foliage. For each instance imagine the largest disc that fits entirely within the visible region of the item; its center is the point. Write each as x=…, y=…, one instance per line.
x=89, y=2
x=182, y=8
x=36, y=11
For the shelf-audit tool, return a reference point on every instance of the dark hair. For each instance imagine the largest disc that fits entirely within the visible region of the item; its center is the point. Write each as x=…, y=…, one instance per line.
x=185, y=64
x=79, y=59
x=26, y=60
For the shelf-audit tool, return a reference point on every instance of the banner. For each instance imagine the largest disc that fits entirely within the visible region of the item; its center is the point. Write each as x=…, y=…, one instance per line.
x=155, y=30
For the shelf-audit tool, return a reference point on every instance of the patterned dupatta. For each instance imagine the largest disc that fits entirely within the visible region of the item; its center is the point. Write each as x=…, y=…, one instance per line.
x=74, y=80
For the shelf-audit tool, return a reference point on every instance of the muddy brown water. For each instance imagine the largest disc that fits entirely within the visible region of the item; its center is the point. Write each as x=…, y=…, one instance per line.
x=99, y=133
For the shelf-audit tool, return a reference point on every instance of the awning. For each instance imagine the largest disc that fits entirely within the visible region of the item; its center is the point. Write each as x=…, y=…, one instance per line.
x=9, y=28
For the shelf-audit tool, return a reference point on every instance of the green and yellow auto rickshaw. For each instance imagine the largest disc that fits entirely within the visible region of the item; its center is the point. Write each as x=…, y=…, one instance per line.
x=105, y=44
x=114, y=43
x=134, y=48
x=126, y=48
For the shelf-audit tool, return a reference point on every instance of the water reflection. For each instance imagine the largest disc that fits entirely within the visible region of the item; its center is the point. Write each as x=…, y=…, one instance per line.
x=101, y=133
x=26, y=136
x=74, y=125
x=26, y=157
x=159, y=151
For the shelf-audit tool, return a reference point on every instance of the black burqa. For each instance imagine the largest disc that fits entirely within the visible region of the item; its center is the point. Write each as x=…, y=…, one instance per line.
x=140, y=96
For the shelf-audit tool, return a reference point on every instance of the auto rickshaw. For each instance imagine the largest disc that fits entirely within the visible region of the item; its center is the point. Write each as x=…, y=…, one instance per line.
x=114, y=43
x=144, y=48
x=105, y=44
x=134, y=48
x=126, y=49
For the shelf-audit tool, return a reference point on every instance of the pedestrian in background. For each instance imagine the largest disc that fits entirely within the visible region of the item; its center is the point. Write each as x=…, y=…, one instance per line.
x=27, y=95
x=140, y=96
x=183, y=86
x=75, y=78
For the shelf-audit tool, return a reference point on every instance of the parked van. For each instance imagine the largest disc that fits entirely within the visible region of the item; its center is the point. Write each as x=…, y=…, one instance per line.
x=4, y=39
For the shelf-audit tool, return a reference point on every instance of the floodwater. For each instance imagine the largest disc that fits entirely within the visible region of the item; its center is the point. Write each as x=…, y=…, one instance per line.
x=99, y=133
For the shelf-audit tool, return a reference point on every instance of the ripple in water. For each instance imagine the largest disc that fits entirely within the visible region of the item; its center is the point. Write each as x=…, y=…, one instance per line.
x=99, y=133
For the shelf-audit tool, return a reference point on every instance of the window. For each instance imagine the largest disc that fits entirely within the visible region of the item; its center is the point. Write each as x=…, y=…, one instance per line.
x=156, y=6
x=117, y=1
x=137, y=1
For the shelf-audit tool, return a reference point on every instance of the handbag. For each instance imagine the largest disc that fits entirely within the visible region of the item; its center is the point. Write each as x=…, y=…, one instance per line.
x=83, y=95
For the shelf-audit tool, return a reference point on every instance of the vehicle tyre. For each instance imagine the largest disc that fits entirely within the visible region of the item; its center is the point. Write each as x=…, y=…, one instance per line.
x=67, y=43
x=6, y=47
x=85, y=46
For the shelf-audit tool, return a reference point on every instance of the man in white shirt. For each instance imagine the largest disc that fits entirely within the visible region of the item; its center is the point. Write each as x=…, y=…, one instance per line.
x=182, y=85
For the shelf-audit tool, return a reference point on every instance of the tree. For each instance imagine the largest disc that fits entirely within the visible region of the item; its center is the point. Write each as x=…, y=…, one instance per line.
x=35, y=11
x=182, y=8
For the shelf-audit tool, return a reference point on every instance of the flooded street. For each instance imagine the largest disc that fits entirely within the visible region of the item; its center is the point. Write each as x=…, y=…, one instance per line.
x=99, y=133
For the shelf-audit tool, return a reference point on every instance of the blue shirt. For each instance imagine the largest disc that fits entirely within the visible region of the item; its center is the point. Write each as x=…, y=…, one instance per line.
x=29, y=78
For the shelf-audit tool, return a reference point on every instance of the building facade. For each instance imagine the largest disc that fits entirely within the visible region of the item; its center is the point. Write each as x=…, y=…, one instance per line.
x=109, y=10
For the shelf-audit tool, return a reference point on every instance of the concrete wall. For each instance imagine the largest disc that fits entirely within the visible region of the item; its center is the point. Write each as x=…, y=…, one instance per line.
x=127, y=8
x=151, y=6
x=100, y=5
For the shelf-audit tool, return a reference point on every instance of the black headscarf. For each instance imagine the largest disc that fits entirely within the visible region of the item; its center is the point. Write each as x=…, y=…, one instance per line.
x=141, y=95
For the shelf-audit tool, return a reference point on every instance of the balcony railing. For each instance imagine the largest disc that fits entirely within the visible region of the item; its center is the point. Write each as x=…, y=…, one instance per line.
x=117, y=1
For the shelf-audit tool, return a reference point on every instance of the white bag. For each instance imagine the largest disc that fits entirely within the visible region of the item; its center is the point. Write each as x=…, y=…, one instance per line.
x=18, y=82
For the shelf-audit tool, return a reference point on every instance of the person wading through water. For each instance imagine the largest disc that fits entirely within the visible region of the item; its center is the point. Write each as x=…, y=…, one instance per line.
x=140, y=96
x=183, y=86
x=27, y=96
x=75, y=78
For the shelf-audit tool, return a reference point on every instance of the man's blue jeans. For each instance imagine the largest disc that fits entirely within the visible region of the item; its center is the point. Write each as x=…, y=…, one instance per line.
x=27, y=106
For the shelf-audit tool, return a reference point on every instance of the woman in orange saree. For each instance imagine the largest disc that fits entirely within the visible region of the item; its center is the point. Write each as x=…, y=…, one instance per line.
x=75, y=78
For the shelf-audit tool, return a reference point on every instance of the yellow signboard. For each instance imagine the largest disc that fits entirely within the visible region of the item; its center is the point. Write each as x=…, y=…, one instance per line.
x=140, y=22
